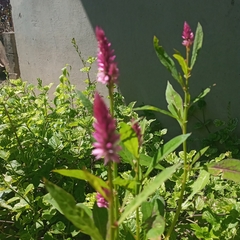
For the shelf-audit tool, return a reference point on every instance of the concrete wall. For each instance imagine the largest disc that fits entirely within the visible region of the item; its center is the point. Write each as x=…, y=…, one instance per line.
x=44, y=30
x=11, y=64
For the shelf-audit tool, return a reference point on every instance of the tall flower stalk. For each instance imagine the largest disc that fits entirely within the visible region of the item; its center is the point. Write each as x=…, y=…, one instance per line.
x=108, y=74
x=188, y=38
x=106, y=146
x=137, y=130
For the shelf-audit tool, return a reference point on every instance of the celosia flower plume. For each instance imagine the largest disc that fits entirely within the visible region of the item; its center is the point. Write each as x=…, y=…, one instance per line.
x=138, y=131
x=187, y=35
x=101, y=201
x=106, y=145
x=107, y=68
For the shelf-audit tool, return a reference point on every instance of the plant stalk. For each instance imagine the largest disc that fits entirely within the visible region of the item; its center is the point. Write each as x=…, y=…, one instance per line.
x=136, y=193
x=115, y=167
x=111, y=228
x=184, y=131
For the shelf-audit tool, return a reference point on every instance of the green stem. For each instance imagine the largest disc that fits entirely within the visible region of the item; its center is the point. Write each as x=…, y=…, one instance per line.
x=25, y=199
x=115, y=167
x=111, y=227
x=186, y=169
x=185, y=173
x=137, y=189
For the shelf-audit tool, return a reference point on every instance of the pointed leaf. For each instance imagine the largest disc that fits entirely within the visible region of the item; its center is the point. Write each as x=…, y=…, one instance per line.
x=49, y=199
x=129, y=138
x=29, y=188
x=147, y=161
x=148, y=190
x=97, y=183
x=126, y=183
x=152, y=108
x=230, y=169
x=100, y=217
x=55, y=142
x=181, y=62
x=199, y=154
x=85, y=101
x=198, y=185
x=165, y=59
x=197, y=45
x=175, y=102
x=201, y=95
x=157, y=227
x=77, y=215
x=4, y=154
x=166, y=149
x=127, y=232
x=125, y=155
x=153, y=222
x=146, y=209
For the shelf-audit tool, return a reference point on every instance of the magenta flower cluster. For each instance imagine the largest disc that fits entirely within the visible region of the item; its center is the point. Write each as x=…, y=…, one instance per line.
x=138, y=131
x=187, y=35
x=101, y=201
x=107, y=68
x=106, y=145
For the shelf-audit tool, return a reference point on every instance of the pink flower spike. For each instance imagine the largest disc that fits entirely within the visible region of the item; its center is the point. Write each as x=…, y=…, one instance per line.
x=106, y=145
x=138, y=131
x=101, y=201
x=187, y=35
x=107, y=68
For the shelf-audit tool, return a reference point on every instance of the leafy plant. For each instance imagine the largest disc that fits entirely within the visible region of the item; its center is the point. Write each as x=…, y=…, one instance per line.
x=221, y=135
x=144, y=189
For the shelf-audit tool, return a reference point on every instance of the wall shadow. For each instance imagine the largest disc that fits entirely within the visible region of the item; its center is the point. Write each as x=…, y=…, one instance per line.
x=131, y=25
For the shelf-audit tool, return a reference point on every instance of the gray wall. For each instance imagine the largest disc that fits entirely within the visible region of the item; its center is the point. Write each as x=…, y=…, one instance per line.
x=44, y=30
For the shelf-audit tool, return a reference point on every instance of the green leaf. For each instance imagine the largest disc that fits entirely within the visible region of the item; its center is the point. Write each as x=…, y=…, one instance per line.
x=85, y=69
x=28, y=189
x=126, y=183
x=48, y=236
x=127, y=232
x=85, y=101
x=146, y=209
x=198, y=185
x=153, y=222
x=77, y=215
x=165, y=59
x=148, y=190
x=13, y=199
x=166, y=149
x=4, y=154
x=152, y=108
x=209, y=217
x=48, y=198
x=199, y=154
x=197, y=45
x=175, y=102
x=147, y=161
x=125, y=155
x=55, y=142
x=87, y=210
x=199, y=203
x=157, y=227
x=129, y=138
x=201, y=95
x=97, y=183
x=100, y=217
x=181, y=62
x=230, y=169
